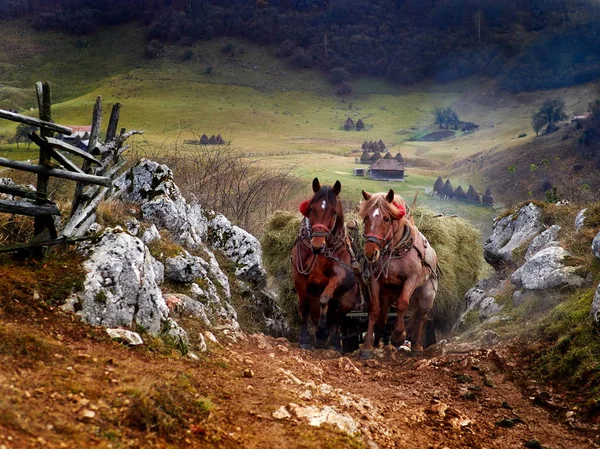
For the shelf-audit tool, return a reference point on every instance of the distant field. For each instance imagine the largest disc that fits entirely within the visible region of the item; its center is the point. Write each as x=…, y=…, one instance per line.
x=265, y=108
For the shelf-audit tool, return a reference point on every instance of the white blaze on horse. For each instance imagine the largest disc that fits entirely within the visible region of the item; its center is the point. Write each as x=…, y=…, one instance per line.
x=403, y=266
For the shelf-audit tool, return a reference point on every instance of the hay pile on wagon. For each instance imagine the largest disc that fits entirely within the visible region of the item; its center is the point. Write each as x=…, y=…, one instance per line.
x=456, y=241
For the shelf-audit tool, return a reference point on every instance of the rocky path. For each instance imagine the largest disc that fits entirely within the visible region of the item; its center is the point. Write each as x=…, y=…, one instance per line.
x=454, y=400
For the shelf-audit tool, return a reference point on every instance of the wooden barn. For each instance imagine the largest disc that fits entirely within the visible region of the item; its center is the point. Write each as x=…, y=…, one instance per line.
x=387, y=170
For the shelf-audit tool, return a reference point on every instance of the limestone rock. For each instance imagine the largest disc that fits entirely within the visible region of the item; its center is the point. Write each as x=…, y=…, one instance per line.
x=595, y=311
x=512, y=231
x=187, y=307
x=128, y=337
x=596, y=246
x=151, y=185
x=281, y=413
x=580, y=219
x=184, y=268
x=274, y=323
x=132, y=226
x=240, y=247
x=327, y=415
x=542, y=241
x=546, y=270
x=489, y=307
x=121, y=285
x=150, y=235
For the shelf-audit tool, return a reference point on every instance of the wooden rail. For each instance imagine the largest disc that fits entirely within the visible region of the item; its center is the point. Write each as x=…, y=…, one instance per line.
x=99, y=173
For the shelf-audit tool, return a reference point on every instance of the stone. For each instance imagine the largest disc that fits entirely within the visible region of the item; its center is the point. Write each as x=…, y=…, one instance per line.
x=517, y=298
x=128, y=337
x=512, y=231
x=132, y=226
x=489, y=307
x=474, y=296
x=281, y=413
x=542, y=241
x=580, y=219
x=151, y=185
x=184, y=306
x=595, y=310
x=271, y=315
x=346, y=364
x=248, y=373
x=211, y=337
x=316, y=416
x=150, y=235
x=121, y=285
x=202, y=347
x=546, y=270
x=185, y=268
x=240, y=247
x=489, y=337
x=596, y=246
x=87, y=415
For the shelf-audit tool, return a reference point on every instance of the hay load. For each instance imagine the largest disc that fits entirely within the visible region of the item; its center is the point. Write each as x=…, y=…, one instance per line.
x=456, y=242
x=277, y=243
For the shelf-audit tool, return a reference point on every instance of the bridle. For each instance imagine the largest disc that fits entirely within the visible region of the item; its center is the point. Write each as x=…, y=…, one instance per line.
x=381, y=242
x=326, y=229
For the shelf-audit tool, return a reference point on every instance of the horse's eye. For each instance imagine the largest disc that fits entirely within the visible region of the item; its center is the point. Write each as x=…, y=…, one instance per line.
x=386, y=219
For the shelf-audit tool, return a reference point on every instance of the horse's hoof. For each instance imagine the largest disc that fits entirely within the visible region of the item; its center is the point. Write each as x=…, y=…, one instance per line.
x=365, y=354
x=306, y=347
x=405, y=348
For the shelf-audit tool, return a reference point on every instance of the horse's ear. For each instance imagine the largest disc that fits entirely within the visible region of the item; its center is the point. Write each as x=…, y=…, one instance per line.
x=366, y=195
x=337, y=188
x=390, y=196
x=316, y=185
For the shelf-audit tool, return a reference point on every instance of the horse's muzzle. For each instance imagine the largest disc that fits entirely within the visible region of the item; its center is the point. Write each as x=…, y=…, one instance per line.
x=374, y=257
x=317, y=244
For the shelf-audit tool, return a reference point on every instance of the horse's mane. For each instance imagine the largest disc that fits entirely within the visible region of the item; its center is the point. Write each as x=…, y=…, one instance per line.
x=327, y=194
x=396, y=209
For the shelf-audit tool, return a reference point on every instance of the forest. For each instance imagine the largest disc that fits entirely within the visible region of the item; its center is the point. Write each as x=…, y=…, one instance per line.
x=525, y=44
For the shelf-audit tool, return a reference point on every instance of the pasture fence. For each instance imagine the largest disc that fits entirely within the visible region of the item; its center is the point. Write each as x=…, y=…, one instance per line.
x=101, y=162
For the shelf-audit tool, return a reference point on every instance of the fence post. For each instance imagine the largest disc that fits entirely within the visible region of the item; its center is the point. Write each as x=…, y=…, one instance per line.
x=44, y=99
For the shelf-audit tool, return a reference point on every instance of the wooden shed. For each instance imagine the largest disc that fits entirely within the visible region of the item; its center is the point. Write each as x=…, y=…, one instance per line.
x=387, y=170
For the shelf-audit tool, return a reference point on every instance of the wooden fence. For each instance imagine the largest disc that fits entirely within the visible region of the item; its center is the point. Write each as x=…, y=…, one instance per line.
x=101, y=162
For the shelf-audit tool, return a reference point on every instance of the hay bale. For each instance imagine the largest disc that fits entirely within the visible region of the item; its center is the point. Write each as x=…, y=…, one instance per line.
x=277, y=243
x=460, y=254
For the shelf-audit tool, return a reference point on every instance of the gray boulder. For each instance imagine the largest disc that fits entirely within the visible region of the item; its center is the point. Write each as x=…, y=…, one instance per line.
x=596, y=246
x=150, y=235
x=241, y=247
x=595, y=311
x=121, y=286
x=580, y=219
x=151, y=185
x=489, y=307
x=546, y=270
x=185, y=268
x=125, y=336
x=511, y=232
x=184, y=306
x=543, y=240
x=274, y=323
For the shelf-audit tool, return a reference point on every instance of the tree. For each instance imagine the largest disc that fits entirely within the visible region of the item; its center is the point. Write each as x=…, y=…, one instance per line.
x=552, y=111
x=439, y=117
x=537, y=123
x=344, y=88
x=338, y=75
x=450, y=116
x=22, y=134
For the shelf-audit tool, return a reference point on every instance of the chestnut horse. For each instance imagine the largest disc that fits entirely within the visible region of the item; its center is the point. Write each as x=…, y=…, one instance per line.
x=403, y=266
x=321, y=265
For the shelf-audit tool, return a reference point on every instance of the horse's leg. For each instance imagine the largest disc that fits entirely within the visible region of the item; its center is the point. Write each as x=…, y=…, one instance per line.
x=385, y=299
x=340, y=280
x=346, y=303
x=424, y=297
x=374, y=310
x=399, y=334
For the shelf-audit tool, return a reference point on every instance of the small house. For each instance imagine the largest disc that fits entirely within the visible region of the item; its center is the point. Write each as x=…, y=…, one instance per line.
x=359, y=171
x=387, y=170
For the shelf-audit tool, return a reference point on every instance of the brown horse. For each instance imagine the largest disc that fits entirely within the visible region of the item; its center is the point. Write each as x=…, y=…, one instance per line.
x=321, y=265
x=403, y=266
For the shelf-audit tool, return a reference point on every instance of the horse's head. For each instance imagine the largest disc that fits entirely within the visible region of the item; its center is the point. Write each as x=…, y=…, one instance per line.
x=324, y=213
x=379, y=211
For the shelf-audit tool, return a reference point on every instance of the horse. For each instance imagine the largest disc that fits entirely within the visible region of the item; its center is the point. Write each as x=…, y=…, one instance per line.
x=322, y=268
x=403, y=266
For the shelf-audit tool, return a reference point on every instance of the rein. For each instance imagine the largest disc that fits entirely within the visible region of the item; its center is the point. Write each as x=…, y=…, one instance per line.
x=399, y=250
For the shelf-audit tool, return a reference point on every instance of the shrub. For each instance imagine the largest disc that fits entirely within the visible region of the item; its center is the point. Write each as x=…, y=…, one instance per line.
x=344, y=88
x=286, y=49
x=187, y=54
x=338, y=75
